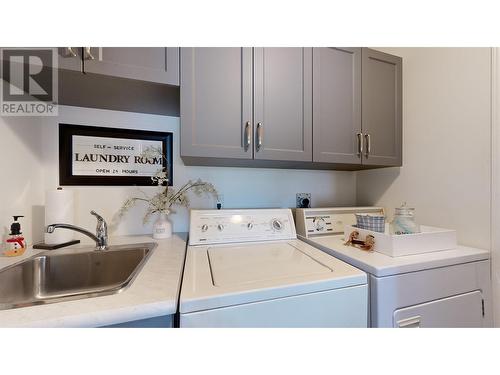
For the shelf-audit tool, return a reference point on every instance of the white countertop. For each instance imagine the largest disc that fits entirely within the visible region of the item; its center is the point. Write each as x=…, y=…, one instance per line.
x=380, y=265
x=154, y=292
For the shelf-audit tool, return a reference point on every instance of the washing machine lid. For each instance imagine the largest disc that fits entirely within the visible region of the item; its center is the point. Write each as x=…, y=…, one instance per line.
x=225, y=275
x=239, y=265
x=381, y=265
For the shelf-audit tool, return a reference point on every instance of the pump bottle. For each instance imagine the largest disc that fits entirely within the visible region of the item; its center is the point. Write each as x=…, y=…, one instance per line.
x=16, y=244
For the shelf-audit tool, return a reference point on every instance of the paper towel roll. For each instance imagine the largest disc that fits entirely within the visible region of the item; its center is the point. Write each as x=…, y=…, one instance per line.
x=59, y=208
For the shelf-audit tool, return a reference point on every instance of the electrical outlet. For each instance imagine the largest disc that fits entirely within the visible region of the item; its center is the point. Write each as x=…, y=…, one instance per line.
x=303, y=200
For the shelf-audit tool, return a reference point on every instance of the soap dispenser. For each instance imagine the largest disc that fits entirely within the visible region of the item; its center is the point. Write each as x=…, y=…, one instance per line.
x=16, y=244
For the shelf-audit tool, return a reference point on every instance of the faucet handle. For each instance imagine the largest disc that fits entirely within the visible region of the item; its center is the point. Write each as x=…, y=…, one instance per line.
x=101, y=231
x=99, y=217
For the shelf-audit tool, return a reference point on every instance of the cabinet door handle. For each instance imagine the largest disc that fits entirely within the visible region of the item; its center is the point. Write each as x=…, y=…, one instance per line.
x=368, y=145
x=87, y=54
x=360, y=144
x=260, y=135
x=68, y=52
x=413, y=322
x=248, y=135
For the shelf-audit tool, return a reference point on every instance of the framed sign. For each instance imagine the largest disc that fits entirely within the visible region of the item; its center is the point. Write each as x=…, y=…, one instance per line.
x=90, y=155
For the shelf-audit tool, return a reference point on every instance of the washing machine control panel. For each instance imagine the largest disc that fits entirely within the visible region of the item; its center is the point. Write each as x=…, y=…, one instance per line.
x=229, y=226
x=327, y=223
x=319, y=224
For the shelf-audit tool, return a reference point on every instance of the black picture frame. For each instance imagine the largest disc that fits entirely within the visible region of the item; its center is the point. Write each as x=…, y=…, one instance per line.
x=67, y=131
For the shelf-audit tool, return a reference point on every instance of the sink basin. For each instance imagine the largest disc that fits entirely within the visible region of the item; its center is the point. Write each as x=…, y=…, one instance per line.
x=61, y=275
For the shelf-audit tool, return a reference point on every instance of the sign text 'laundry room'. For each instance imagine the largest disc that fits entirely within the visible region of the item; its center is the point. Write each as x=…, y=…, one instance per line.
x=98, y=156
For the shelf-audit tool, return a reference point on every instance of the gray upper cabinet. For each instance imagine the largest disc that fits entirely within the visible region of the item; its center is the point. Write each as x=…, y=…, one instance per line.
x=216, y=103
x=70, y=58
x=381, y=108
x=324, y=108
x=337, y=105
x=151, y=64
x=283, y=104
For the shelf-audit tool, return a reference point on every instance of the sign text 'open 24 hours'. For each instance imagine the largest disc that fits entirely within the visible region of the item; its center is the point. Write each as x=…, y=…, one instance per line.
x=101, y=156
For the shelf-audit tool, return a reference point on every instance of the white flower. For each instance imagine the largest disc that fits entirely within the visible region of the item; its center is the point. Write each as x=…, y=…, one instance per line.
x=167, y=196
x=160, y=178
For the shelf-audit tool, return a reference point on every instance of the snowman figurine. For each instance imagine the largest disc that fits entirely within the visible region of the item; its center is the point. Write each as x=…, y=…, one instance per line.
x=16, y=245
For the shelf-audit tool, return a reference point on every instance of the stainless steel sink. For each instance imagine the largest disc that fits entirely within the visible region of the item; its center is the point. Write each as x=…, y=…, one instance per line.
x=70, y=274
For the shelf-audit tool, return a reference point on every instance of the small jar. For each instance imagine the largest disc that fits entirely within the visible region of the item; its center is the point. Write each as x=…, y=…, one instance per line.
x=404, y=221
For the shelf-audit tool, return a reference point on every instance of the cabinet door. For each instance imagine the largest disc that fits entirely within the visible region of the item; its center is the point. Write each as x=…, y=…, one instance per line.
x=216, y=102
x=337, y=105
x=70, y=58
x=283, y=103
x=156, y=64
x=381, y=108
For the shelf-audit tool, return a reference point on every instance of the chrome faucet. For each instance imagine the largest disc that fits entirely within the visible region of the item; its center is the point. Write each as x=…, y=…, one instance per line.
x=100, y=238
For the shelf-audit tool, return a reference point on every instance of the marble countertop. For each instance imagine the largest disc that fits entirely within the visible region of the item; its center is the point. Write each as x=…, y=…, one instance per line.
x=154, y=292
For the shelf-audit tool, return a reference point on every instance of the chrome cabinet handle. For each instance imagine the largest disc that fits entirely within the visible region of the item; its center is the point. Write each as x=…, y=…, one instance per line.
x=360, y=144
x=68, y=52
x=87, y=54
x=248, y=135
x=260, y=135
x=368, y=145
x=413, y=322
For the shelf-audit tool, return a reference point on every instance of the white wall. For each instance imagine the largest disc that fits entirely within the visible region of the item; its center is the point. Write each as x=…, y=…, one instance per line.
x=446, y=146
x=241, y=187
x=446, y=173
x=22, y=176
x=495, y=203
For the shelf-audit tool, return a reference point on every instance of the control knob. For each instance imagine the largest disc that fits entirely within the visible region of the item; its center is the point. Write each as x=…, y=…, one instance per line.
x=204, y=227
x=277, y=225
x=319, y=224
x=220, y=227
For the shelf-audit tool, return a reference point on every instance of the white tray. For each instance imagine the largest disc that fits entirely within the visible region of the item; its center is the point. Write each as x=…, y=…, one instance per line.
x=430, y=239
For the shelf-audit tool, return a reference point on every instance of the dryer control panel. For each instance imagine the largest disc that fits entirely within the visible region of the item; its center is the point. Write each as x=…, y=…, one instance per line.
x=327, y=221
x=229, y=226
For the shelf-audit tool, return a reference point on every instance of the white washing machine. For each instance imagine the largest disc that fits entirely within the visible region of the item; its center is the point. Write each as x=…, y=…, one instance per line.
x=450, y=288
x=246, y=268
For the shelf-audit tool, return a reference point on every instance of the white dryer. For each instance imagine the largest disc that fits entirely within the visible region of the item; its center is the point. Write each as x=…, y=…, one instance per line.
x=450, y=288
x=246, y=268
